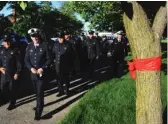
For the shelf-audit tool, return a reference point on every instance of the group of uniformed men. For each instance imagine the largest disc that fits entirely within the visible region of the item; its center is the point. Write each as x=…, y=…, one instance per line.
x=64, y=54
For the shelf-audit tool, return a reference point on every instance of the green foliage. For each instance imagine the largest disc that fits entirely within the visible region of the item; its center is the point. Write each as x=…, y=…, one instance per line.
x=103, y=15
x=164, y=41
x=23, y=5
x=25, y=19
x=164, y=57
x=2, y=4
x=42, y=16
x=66, y=10
x=112, y=102
x=46, y=6
x=164, y=89
x=128, y=58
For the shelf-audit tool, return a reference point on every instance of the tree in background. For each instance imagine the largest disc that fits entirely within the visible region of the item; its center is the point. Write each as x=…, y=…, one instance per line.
x=3, y=3
x=103, y=15
x=44, y=16
x=144, y=24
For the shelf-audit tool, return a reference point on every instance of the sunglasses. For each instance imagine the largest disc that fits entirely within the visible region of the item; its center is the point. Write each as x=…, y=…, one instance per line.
x=34, y=35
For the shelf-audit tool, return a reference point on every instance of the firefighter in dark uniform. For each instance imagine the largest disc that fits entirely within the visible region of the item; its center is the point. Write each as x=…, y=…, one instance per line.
x=99, y=41
x=118, y=54
x=10, y=68
x=76, y=46
x=63, y=59
x=37, y=59
x=93, y=50
x=83, y=53
x=98, y=37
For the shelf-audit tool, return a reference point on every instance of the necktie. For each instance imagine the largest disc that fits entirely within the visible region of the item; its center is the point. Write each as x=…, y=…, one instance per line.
x=36, y=45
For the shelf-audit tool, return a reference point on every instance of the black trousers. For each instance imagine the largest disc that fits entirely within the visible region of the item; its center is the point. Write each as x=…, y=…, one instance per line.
x=91, y=65
x=83, y=60
x=38, y=85
x=118, y=66
x=62, y=78
x=8, y=90
x=76, y=65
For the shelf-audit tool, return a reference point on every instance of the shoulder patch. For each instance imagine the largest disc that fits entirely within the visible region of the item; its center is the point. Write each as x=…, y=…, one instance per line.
x=1, y=52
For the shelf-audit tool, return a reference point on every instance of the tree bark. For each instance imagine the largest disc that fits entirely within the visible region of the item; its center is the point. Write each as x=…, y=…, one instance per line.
x=145, y=43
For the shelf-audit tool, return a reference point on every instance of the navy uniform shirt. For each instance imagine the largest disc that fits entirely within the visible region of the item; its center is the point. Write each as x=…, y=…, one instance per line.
x=93, y=48
x=73, y=43
x=10, y=60
x=38, y=57
x=63, y=56
x=118, y=48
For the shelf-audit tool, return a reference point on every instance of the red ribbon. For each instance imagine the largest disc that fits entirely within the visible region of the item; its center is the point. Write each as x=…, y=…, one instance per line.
x=149, y=64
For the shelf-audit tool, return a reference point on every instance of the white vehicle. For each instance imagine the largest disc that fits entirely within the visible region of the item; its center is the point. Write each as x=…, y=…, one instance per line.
x=105, y=34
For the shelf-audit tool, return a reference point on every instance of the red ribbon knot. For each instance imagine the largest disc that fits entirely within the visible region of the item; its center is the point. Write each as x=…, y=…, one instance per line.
x=149, y=64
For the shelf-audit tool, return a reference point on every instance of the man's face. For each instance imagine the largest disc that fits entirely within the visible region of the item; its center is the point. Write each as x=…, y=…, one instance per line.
x=60, y=40
x=119, y=36
x=67, y=36
x=35, y=38
x=5, y=44
x=91, y=35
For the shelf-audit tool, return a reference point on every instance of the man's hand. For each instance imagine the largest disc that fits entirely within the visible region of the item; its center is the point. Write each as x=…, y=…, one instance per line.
x=2, y=70
x=33, y=70
x=16, y=76
x=40, y=71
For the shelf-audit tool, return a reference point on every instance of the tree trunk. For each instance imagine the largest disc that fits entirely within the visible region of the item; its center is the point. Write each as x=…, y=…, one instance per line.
x=145, y=43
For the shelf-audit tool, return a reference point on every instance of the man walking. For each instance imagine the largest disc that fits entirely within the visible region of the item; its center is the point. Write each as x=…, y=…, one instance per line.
x=118, y=54
x=63, y=59
x=37, y=59
x=93, y=50
x=10, y=68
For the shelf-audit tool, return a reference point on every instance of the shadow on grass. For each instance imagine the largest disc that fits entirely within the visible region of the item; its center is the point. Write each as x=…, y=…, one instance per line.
x=164, y=46
x=164, y=62
x=165, y=116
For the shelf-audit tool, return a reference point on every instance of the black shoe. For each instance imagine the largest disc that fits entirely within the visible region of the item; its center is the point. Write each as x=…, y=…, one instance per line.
x=37, y=117
x=90, y=77
x=11, y=106
x=38, y=114
x=60, y=94
x=34, y=108
x=66, y=91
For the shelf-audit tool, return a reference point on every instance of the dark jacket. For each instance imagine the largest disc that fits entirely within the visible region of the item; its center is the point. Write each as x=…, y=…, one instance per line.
x=10, y=60
x=39, y=57
x=118, y=48
x=63, y=56
x=93, y=48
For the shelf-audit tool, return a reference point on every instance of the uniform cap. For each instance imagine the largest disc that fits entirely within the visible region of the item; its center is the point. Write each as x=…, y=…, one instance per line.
x=120, y=32
x=91, y=32
x=6, y=38
x=34, y=31
x=66, y=33
x=61, y=34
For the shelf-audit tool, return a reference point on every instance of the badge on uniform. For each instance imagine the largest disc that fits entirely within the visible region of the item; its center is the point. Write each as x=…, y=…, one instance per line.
x=11, y=53
x=31, y=50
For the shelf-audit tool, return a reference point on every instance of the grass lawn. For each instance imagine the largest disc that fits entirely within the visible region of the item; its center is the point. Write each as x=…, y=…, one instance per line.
x=111, y=102
x=164, y=41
